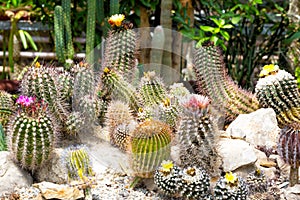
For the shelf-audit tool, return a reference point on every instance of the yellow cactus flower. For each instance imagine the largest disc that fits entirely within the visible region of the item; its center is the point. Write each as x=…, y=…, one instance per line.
x=269, y=70
x=230, y=177
x=167, y=165
x=37, y=65
x=106, y=70
x=116, y=20
x=167, y=102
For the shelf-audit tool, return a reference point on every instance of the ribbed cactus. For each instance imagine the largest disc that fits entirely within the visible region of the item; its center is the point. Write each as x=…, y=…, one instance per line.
x=150, y=144
x=256, y=182
x=32, y=133
x=230, y=187
x=121, y=47
x=194, y=183
x=117, y=88
x=66, y=5
x=41, y=82
x=118, y=117
x=277, y=89
x=59, y=32
x=169, y=111
x=197, y=135
x=78, y=163
x=3, y=145
x=66, y=83
x=6, y=107
x=289, y=151
x=74, y=122
x=214, y=81
x=167, y=177
x=152, y=89
x=90, y=30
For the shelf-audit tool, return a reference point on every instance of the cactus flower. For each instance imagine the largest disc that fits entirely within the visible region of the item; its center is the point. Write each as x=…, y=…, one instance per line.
x=116, y=20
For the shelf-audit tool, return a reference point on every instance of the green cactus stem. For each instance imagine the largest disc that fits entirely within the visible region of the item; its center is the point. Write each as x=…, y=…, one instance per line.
x=150, y=144
x=66, y=5
x=90, y=30
x=3, y=145
x=6, y=107
x=59, y=33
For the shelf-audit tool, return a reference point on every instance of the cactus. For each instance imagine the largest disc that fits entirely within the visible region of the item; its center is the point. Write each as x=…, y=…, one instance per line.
x=150, y=144
x=59, y=33
x=66, y=83
x=288, y=149
x=197, y=135
x=90, y=30
x=230, y=187
x=78, y=163
x=118, y=117
x=6, y=107
x=152, y=89
x=121, y=47
x=278, y=90
x=169, y=112
x=117, y=88
x=214, y=81
x=194, y=183
x=256, y=182
x=66, y=5
x=41, y=82
x=74, y=122
x=166, y=177
x=3, y=145
x=32, y=133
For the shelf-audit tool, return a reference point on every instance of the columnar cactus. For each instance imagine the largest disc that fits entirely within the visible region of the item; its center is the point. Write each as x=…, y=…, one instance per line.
x=150, y=144
x=213, y=81
x=230, y=187
x=59, y=33
x=32, y=133
x=78, y=163
x=288, y=149
x=197, y=136
x=6, y=107
x=277, y=89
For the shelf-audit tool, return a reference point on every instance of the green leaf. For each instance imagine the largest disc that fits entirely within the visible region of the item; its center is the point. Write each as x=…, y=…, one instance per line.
x=216, y=30
x=218, y=22
x=295, y=36
x=227, y=26
x=235, y=20
x=23, y=38
x=214, y=39
x=225, y=34
x=29, y=38
x=200, y=42
x=207, y=28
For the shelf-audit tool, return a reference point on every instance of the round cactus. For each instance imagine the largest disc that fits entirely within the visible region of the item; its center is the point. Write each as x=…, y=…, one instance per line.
x=6, y=106
x=32, y=133
x=78, y=163
x=256, y=182
x=194, y=183
x=230, y=187
x=167, y=177
x=150, y=144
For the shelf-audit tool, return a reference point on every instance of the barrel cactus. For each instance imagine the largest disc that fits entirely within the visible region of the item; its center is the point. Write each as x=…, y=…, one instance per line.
x=150, y=144
x=230, y=187
x=256, y=182
x=32, y=133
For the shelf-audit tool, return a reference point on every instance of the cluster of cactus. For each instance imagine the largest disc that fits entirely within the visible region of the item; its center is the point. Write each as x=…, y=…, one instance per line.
x=214, y=82
x=277, y=89
x=78, y=163
x=197, y=135
x=6, y=107
x=188, y=182
x=62, y=28
x=230, y=186
x=32, y=133
x=149, y=145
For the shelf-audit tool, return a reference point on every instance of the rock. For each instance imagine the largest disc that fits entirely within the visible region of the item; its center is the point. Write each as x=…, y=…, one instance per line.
x=56, y=191
x=235, y=153
x=11, y=175
x=259, y=128
x=55, y=167
x=284, y=167
x=292, y=193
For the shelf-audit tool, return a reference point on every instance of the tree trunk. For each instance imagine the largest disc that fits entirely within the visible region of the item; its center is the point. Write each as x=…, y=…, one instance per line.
x=144, y=37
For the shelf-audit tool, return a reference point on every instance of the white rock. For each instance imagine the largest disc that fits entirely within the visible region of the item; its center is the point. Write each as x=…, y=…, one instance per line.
x=259, y=128
x=292, y=193
x=11, y=175
x=235, y=153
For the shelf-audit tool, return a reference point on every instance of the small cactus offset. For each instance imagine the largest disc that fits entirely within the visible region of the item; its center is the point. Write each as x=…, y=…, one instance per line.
x=152, y=89
x=230, y=187
x=6, y=107
x=289, y=151
x=197, y=135
x=32, y=133
x=121, y=47
x=194, y=183
x=150, y=144
x=277, y=89
x=167, y=177
x=78, y=163
x=215, y=82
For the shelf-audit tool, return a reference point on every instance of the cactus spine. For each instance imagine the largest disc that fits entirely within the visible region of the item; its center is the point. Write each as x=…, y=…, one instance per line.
x=214, y=82
x=32, y=134
x=197, y=135
x=6, y=107
x=90, y=30
x=150, y=144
